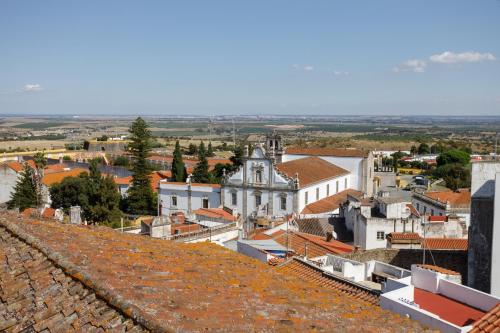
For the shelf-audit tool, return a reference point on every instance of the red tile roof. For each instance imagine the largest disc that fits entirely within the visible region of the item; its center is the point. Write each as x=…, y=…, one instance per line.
x=169, y=286
x=413, y=210
x=123, y=180
x=459, y=199
x=437, y=218
x=445, y=243
x=330, y=203
x=438, y=269
x=403, y=236
x=48, y=213
x=489, y=323
x=18, y=167
x=311, y=170
x=217, y=213
x=338, y=152
x=184, y=228
x=57, y=177
x=312, y=246
x=194, y=184
x=446, y=308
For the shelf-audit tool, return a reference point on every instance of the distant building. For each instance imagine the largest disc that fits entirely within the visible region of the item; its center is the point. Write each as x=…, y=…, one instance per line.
x=484, y=232
x=444, y=203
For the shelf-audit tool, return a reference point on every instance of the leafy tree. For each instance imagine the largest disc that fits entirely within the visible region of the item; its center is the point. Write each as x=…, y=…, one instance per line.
x=456, y=176
x=200, y=172
x=66, y=158
x=237, y=158
x=178, y=166
x=25, y=192
x=71, y=191
x=141, y=199
x=210, y=150
x=218, y=171
x=413, y=150
x=423, y=148
x=103, y=138
x=453, y=156
x=121, y=161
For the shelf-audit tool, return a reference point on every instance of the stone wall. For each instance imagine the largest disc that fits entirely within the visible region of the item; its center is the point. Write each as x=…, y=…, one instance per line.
x=404, y=258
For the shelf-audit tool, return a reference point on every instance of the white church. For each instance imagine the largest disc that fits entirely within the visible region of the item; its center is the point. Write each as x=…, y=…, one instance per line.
x=275, y=183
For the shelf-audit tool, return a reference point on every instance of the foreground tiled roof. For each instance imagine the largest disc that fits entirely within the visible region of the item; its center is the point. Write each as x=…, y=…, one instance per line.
x=314, y=275
x=330, y=203
x=167, y=286
x=36, y=296
x=489, y=323
x=338, y=152
x=311, y=170
x=445, y=243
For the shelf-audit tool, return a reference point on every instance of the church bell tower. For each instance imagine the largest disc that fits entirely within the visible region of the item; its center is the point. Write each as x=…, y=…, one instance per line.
x=274, y=146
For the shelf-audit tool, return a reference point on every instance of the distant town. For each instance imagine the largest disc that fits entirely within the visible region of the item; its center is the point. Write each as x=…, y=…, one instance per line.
x=396, y=215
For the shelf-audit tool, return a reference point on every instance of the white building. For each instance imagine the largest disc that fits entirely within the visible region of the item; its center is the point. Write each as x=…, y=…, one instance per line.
x=433, y=297
x=9, y=174
x=187, y=197
x=444, y=203
x=262, y=189
x=371, y=220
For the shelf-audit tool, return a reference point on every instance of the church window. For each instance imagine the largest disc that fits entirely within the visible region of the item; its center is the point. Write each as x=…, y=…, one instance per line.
x=234, y=199
x=174, y=201
x=258, y=176
x=283, y=202
x=205, y=202
x=258, y=200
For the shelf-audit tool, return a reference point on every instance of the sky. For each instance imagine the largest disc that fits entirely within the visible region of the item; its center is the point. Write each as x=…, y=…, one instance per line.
x=373, y=57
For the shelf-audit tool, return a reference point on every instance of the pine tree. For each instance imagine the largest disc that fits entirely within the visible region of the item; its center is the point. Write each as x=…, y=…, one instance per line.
x=210, y=150
x=178, y=167
x=141, y=199
x=200, y=172
x=25, y=193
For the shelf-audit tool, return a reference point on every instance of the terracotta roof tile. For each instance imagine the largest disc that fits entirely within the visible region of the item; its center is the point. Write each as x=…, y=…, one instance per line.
x=315, y=226
x=330, y=203
x=48, y=213
x=438, y=269
x=217, y=213
x=57, y=177
x=437, y=218
x=312, y=246
x=490, y=322
x=458, y=199
x=403, y=236
x=18, y=166
x=314, y=275
x=445, y=243
x=122, y=180
x=168, y=286
x=311, y=170
x=338, y=152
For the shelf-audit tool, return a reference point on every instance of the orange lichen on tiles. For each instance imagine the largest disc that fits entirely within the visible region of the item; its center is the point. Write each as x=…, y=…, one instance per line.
x=57, y=177
x=194, y=287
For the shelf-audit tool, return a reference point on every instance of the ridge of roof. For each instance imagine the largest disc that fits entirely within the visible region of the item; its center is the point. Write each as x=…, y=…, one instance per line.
x=330, y=203
x=338, y=152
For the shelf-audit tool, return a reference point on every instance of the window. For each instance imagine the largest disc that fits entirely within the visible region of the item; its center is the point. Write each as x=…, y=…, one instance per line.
x=418, y=207
x=258, y=176
x=306, y=199
x=345, y=183
x=327, y=190
x=317, y=193
x=432, y=212
x=425, y=209
x=174, y=201
x=380, y=235
x=283, y=202
x=234, y=199
x=337, y=187
x=440, y=214
x=205, y=202
x=258, y=200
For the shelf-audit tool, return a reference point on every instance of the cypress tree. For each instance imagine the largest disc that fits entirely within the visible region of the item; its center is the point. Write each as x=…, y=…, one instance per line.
x=200, y=172
x=178, y=167
x=25, y=192
x=141, y=199
x=210, y=150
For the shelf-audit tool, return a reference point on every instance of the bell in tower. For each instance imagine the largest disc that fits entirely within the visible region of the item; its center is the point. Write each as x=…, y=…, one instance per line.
x=274, y=146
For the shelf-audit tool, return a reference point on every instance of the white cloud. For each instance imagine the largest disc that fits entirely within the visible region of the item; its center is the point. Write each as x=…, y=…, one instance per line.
x=32, y=87
x=412, y=65
x=306, y=68
x=453, y=58
x=340, y=73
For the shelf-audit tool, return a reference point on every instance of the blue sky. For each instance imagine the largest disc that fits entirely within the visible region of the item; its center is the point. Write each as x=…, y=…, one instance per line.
x=250, y=57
